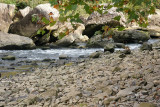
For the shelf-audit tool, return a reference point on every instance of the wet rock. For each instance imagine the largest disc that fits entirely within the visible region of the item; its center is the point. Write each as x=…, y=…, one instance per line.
x=120, y=45
x=46, y=60
x=109, y=47
x=122, y=55
x=95, y=55
x=146, y=46
x=9, y=57
x=63, y=56
x=126, y=51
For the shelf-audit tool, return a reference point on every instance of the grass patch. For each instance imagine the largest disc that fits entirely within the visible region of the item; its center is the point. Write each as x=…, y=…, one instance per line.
x=69, y=64
x=8, y=74
x=31, y=3
x=83, y=105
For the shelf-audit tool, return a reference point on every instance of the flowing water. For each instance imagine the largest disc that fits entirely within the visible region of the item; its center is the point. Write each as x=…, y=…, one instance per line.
x=39, y=54
x=27, y=57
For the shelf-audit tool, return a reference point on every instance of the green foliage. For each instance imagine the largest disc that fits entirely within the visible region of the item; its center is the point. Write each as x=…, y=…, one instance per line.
x=41, y=31
x=98, y=33
x=35, y=18
x=117, y=18
x=44, y=20
x=121, y=28
x=21, y=5
x=136, y=10
x=61, y=35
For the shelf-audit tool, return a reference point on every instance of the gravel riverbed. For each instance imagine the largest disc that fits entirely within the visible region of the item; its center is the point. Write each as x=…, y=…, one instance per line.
x=108, y=81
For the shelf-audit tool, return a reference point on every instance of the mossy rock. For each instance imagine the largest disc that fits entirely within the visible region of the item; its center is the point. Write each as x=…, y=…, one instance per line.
x=117, y=69
x=145, y=104
x=9, y=57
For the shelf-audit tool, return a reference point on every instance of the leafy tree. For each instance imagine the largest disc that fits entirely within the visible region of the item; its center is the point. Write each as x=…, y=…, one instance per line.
x=135, y=10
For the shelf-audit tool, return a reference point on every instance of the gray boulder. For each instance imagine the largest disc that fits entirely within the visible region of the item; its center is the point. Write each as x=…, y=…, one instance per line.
x=21, y=13
x=6, y=15
x=95, y=21
x=13, y=42
x=26, y=27
x=130, y=36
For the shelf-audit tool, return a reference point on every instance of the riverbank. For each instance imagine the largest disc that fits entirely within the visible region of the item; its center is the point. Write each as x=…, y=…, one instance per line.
x=108, y=81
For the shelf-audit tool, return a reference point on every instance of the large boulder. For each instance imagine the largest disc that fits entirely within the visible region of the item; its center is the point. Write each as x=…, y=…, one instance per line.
x=26, y=27
x=73, y=37
x=21, y=13
x=130, y=36
x=154, y=24
x=153, y=27
x=13, y=42
x=95, y=21
x=6, y=15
